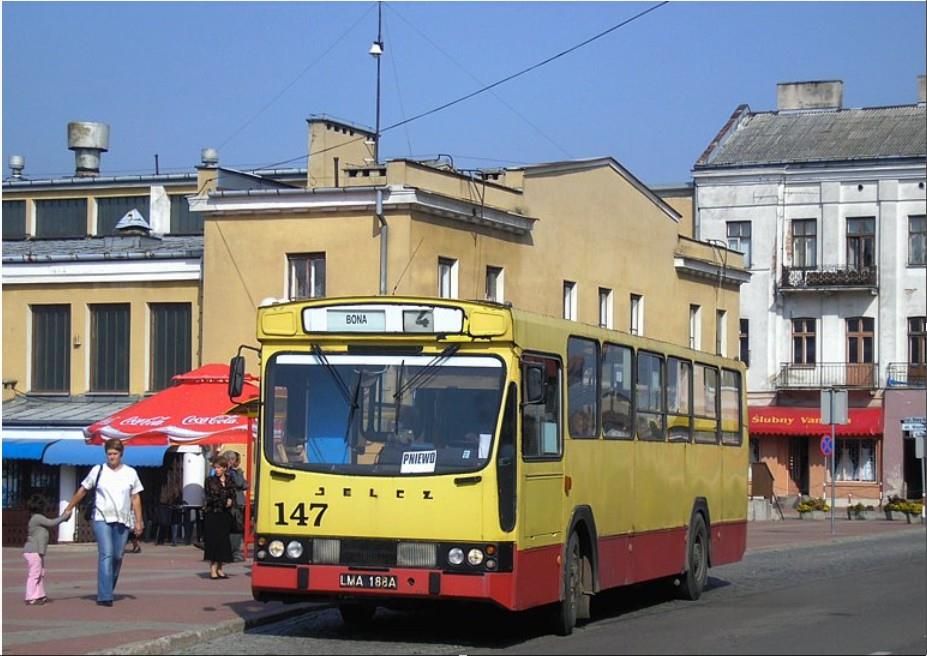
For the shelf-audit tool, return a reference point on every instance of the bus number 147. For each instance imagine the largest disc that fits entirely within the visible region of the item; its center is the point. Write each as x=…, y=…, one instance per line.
x=299, y=514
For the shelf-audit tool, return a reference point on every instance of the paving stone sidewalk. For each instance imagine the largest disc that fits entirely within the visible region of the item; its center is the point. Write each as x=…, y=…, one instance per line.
x=165, y=599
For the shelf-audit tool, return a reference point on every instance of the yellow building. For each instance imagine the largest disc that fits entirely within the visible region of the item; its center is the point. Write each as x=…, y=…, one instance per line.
x=585, y=240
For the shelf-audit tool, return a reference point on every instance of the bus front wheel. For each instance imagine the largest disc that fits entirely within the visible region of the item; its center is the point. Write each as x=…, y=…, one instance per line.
x=357, y=613
x=693, y=581
x=566, y=610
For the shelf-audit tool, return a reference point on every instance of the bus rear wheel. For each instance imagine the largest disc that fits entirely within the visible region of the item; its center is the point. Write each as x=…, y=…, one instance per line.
x=566, y=610
x=357, y=613
x=693, y=581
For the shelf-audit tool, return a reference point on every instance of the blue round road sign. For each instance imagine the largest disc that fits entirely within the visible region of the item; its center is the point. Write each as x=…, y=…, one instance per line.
x=827, y=445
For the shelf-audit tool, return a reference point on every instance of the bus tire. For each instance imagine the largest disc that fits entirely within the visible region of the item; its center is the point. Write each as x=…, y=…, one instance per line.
x=693, y=581
x=357, y=613
x=566, y=610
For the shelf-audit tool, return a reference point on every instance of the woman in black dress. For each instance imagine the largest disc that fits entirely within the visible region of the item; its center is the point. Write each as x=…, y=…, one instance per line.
x=220, y=499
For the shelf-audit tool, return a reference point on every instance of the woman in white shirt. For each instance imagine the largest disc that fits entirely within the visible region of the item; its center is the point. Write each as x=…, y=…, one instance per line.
x=117, y=512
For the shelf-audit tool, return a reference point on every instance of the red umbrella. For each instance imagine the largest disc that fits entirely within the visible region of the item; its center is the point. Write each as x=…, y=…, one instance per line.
x=192, y=411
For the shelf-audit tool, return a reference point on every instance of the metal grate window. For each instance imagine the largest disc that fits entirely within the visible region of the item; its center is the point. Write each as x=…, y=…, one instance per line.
x=110, y=210
x=170, y=353
x=60, y=218
x=183, y=221
x=14, y=219
x=109, y=348
x=51, y=340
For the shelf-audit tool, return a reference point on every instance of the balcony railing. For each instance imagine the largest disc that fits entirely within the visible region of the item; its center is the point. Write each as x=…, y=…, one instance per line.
x=828, y=374
x=906, y=374
x=832, y=277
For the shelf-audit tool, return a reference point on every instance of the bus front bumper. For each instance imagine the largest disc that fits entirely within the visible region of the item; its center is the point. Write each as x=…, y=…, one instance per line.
x=297, y=582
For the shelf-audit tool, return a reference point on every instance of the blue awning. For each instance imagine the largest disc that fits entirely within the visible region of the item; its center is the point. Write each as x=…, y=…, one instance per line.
x=75, y=452
x=14, y=449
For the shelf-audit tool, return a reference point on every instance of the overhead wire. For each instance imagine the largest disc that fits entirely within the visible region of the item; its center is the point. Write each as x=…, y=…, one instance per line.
x=402, y=109
x=479, y=81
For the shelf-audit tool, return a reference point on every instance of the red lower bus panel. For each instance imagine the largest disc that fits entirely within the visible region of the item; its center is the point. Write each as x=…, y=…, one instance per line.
x=537, y=576
x=728, y=542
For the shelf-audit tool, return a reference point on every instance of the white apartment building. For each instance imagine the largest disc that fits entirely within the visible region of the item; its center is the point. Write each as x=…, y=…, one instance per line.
x=828, y=205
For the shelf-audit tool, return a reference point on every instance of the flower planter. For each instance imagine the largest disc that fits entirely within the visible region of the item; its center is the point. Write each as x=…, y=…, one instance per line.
x=897, y=515
x=814, y=514
x=866, y=514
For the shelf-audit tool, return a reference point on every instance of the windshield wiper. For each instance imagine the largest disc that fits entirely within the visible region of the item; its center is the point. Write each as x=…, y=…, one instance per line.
x=428, y=371
x=350, y=433
x=398, y=395
x=330, y=368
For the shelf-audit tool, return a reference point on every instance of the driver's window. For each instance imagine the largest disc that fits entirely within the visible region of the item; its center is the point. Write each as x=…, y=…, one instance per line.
x=541, y=421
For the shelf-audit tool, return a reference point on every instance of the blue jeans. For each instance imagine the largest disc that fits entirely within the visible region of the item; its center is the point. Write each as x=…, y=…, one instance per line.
x=111, y=543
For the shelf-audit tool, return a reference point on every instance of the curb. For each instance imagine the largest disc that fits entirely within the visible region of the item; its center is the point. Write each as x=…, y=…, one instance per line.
x=185, y=639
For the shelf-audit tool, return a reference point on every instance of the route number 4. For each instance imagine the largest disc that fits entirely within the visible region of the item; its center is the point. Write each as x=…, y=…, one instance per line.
x=299, y=515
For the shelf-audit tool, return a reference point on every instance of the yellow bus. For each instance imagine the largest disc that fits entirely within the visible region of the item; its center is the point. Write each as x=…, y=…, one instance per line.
x=431, y=449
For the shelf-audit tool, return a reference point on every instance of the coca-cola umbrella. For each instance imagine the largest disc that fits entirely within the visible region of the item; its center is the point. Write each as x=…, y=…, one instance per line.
x=192, y=411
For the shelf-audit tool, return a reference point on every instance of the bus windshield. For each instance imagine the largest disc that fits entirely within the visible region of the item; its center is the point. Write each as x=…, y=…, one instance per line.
x=387, y=415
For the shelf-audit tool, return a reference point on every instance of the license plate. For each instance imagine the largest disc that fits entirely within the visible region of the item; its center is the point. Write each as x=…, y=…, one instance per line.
x=368, y=581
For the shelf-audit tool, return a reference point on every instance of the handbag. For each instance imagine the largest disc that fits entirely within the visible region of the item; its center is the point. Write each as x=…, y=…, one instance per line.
x=91, y=504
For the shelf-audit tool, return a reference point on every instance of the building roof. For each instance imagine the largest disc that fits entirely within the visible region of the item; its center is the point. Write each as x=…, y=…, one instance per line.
x=62, y=411
x=793, y=137
x=103, y=248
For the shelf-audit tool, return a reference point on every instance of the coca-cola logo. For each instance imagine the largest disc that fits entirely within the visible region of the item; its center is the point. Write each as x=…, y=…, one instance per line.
x=218, y=420
x=135, y=420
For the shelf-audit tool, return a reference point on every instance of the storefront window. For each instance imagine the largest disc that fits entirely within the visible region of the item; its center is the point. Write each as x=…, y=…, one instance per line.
x=856, y=460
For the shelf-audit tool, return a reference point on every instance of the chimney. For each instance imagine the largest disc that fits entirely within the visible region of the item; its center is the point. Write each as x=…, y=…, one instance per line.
x=17, y=164
x=920, y=90
x=207, y=171
x=88, y=141
x=820, y=94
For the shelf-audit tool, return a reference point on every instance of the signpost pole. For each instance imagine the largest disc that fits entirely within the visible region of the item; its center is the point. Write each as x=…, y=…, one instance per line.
x=833, y=475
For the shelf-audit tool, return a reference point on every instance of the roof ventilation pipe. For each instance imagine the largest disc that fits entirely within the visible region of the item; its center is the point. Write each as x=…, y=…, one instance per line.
x=87, y=140
x=17, y=164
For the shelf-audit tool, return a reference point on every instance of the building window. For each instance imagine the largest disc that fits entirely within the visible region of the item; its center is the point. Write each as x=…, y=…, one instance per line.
x=109, y=348
x=51, y=349
x=637, y=315
x=804, y=342
x=14, y=219
x=495, y=284
x=856, y=460
x=917, y=239
x=695, y=327
x=860, y=338
x=447, y=277
x=861, y=243
x=804, y=243
x=721, y=332
x=582, y=387
x=61, y=218
x=605, y=308
x=307, y=275
x=738, y=239
x=745, y=341
x=917, y=340
x=111, y=210
x=171, y=343
x=183, y=221
x=569, y=300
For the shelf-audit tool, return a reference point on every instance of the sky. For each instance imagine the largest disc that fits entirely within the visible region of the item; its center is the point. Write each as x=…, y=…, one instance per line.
x=172, y=78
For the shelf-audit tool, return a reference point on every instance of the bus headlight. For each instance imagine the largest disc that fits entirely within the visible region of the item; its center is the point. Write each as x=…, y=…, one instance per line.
x=294, y=550
x=455, y=556
x=475, y=557
x=275, y=548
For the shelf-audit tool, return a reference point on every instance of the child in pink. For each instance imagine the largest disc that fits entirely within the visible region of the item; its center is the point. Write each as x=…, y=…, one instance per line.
x=36, y=545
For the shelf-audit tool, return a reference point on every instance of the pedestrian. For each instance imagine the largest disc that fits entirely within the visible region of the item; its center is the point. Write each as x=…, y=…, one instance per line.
x=240, y=483
x=217, y=526
x=35, y=547
x=117, y=511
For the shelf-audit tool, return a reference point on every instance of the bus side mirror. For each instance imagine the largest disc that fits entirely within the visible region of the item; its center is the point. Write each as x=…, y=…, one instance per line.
x=534, y=384
x=236, y=376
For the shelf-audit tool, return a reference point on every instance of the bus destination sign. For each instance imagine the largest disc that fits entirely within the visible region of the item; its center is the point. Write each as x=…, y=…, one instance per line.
x=357, y=321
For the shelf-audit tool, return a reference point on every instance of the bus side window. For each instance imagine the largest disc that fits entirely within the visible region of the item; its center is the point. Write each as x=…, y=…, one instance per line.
x=541, y=421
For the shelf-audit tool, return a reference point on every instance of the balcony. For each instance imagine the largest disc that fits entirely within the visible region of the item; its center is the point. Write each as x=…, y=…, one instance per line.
x=830, y=278
x=906, y=374
x=828, y=374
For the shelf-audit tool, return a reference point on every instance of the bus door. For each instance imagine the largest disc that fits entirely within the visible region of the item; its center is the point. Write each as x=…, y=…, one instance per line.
x=541, y=504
